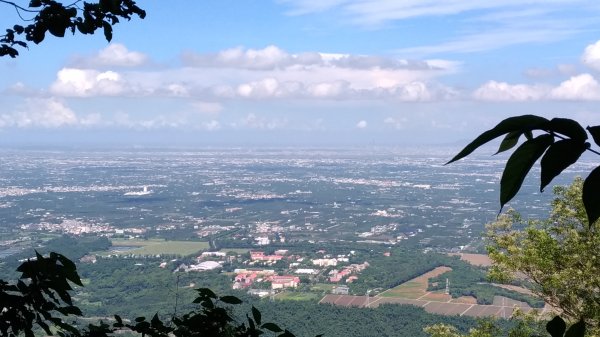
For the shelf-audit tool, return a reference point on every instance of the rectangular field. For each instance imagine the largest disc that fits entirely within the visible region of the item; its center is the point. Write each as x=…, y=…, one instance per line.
x=159, y=247
x=417, y=287
x=296, y=296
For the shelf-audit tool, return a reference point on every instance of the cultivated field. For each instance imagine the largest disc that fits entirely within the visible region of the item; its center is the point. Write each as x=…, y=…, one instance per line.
x=417, y=287
x=502, y=307
x=414, y=292
x=296, y=296
x=156, y=247
x=480, y=260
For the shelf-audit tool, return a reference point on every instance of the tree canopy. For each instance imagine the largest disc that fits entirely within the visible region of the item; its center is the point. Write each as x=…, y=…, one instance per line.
x=58, y=18
x=559, y=255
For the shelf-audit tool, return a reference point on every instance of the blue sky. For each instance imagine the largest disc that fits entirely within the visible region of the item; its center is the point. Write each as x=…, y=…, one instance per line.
x=306, y=72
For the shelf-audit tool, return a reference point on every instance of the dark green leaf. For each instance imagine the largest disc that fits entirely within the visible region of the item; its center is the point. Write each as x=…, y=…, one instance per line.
x=205, y=292
x=230, y=300
x=286, y=333
x=556, y=327
x=107, y=31
x=38, y=35
x=559, y=156
x=511, y=139
x=519, y=123
x=272, y=327
x=70, y=310
x=567, y=127
x=595, y=132
x=57, y=30
x=591, y=196
x=35, y=3
x=519, y=164
x=576, y=330
x=256, y=314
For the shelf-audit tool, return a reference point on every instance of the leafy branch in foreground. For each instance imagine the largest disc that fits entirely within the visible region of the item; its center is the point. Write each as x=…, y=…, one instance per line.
x=558, y=256
x=561, y=143
x=41, y=297
x=56, y=18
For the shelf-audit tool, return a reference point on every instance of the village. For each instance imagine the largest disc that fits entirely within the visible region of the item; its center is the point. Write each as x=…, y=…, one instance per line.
x=263, y=274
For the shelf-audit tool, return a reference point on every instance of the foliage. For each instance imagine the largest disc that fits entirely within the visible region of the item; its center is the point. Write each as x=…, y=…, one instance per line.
x=42, y=298
x=306, y=318
x=524, y=325
x=559, y=255
x=561, y=142
x=57, y=19
x=390, y=271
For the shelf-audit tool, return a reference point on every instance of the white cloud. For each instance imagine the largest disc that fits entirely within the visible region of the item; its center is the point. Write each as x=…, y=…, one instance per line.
x=268, y=73
x=252, y=121
x=211, y=125
x=40, y=113
x=209, y=108
x=476, y=25
x=114, y=55
x=397, y=123
x=361, y=124
x=268, y=58
x=502, y=91
x=86, y=82
x=580, y=87
x=583, y=87
x=591, y=56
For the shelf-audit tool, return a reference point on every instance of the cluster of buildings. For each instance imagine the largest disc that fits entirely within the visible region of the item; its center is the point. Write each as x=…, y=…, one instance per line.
x=349, y=273
x=248, y=278
x=71, y=226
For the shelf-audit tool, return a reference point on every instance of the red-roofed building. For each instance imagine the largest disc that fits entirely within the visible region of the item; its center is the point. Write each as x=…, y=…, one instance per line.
x=260, y=256
x=287, y=281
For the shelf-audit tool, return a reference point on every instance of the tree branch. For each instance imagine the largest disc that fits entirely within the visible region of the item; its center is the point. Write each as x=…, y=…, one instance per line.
x=19, y=7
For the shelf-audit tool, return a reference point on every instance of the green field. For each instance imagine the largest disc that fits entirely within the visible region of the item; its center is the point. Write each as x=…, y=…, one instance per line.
x=155, y=247
x=410, y=289
x=297, y=296
x=322, y=287
x=235, y=250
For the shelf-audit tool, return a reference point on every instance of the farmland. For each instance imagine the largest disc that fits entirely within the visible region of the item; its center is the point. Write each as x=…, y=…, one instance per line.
x=479, y=260
x=157, y=247
x=414, y=292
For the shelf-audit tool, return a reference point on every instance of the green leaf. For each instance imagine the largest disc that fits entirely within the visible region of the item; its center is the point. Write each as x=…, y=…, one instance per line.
x=595, y=132
x=272, y=327
x=556, y=327
x=107, y=31
x=256, y=314
x=591, y=196
x=230, y=300
x=57, y=29
x=286, y=333
x=205, y=292
x=576, y=330
x=511, y=139
x=567, y=127
x=70, y=310
x=519, y=123
x=519, y=164
x=559, y=156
